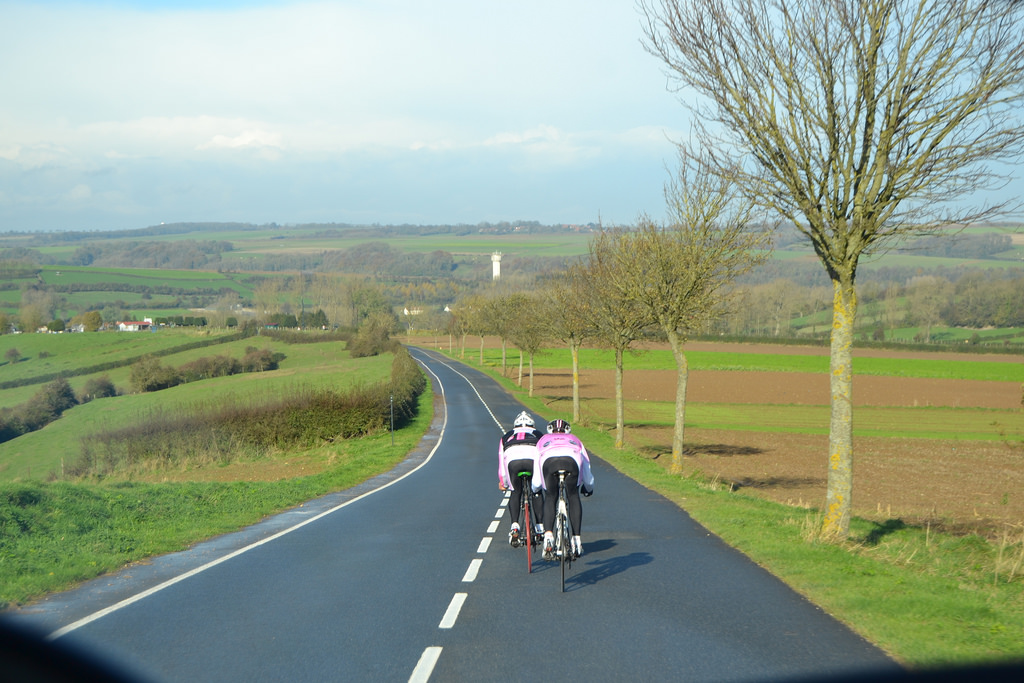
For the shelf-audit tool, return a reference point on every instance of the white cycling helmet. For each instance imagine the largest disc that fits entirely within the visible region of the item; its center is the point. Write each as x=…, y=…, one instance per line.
x=523, y=419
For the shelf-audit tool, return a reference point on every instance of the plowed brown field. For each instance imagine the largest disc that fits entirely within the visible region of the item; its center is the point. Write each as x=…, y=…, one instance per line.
x=951, y=484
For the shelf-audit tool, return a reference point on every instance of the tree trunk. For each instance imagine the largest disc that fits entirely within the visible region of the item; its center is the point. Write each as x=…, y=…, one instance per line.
x=530, y=394
x=682, y=375
x=620, y=421
x=840, y=437
x=574, y=351
x=504, y=357
x=481, y=350
x=520, y=383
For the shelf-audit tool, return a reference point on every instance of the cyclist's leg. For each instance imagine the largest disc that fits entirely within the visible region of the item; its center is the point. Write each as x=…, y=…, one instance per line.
x=550, y=469
x=515, y=498
x=573, y=493
x=538, y=511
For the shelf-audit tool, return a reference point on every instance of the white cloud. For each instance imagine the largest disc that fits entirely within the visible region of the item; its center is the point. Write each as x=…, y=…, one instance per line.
x=345, y=89
x=80, y=193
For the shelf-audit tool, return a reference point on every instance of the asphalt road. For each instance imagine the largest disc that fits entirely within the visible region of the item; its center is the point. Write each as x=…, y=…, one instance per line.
x=410, y=578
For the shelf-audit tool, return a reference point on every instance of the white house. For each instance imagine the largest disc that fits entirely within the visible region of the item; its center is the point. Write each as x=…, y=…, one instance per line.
x=135, y=325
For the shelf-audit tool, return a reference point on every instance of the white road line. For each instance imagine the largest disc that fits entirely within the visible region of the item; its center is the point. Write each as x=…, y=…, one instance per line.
x=493, y=526
x=475, y=391
x=499, y=513
x=452, y=613
x=425, y=667
x=485, y=543
x=181, y=577
x=474, y=569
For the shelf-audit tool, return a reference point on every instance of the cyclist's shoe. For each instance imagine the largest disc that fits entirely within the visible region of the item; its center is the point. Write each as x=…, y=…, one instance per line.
x=513, y=536
x=549, y=547
x=577, y=547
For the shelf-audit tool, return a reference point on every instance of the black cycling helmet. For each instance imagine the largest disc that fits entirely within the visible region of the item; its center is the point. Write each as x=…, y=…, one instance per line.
x=559, y=426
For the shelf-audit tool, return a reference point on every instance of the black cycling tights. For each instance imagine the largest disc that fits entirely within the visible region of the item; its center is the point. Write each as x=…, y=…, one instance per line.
x=551, y=467
x=515, y=498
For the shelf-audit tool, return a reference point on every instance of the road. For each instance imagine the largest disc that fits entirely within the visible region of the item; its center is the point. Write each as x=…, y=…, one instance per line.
x=410, y=578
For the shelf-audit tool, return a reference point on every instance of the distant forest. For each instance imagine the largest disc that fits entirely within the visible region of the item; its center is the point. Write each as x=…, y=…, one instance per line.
x=380, y=260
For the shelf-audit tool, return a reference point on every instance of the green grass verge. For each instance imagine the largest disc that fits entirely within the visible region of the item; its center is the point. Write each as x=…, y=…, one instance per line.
x=927, y=599
x=55, y=535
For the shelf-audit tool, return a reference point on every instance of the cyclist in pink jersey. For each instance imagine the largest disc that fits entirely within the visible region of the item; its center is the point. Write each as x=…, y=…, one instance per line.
x=517, y=452
x=561, y=450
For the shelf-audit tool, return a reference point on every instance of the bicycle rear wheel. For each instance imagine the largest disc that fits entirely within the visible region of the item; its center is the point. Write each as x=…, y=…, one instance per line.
x=528, y=525
x=566, y=543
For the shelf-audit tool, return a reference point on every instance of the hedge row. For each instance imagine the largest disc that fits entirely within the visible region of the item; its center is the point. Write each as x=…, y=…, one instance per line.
x=305, y=419
x=110, y=365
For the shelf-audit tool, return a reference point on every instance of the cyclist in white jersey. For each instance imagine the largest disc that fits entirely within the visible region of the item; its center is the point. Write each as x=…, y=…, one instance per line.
x=517, y=452
x=561, y=450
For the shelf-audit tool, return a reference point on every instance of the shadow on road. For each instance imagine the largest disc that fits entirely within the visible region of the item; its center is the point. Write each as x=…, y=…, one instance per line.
x=600, y=569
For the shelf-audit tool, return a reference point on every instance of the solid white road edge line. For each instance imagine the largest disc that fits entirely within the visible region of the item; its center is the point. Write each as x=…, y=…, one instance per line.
x=209, y=565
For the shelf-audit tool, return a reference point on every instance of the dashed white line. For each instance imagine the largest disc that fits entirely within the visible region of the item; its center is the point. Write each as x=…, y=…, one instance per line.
x=425, y=667
x=474, y=569
x=485, y=543
x=493, y=526
x=452, y=613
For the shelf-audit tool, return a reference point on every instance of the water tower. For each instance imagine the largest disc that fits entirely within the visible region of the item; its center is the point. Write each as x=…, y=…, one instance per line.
x=496, y=265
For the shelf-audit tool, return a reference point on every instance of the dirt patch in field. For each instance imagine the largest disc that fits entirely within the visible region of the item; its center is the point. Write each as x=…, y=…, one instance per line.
x=959, y=484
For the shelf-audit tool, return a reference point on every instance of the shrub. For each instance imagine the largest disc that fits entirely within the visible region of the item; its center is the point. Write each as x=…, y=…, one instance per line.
x=373, y=336
x=148, y=375
x=97, y=387
x=259, y=360
x=209, y=366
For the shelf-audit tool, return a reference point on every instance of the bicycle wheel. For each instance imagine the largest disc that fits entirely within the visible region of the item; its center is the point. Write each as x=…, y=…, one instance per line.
x=566, y=543
x=527, y=524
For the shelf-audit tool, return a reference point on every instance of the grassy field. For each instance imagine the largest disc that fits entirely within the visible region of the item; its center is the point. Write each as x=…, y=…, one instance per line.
x=970, y=424
x=971, y=367
x=37, y=453
x=81, y=529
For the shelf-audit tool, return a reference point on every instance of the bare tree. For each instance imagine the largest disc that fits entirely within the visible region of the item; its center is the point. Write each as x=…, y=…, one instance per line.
x=679, y=275
x=529, y=331
x=861, y=122
x=570, y=320
x=617, y=320
x=927, y=297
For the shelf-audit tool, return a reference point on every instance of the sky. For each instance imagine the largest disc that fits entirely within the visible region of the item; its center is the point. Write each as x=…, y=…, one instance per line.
x=125, y=114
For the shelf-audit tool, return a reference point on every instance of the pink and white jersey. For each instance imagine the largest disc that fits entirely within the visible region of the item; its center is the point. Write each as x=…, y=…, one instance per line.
x=558, y=445
x=518, y=444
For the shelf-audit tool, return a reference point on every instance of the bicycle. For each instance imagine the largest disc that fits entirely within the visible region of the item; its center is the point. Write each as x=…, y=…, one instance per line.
x=528, y=515
x=563, y=529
